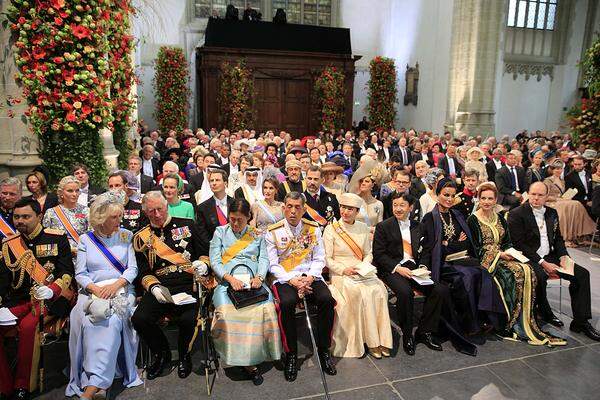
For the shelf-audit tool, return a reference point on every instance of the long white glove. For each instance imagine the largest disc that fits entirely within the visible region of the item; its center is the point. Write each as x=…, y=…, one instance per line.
x=161, y=293
x=43, y=293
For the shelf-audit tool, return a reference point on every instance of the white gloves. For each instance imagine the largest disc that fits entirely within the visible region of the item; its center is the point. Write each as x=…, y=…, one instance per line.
x=162, y=294
x=200, y=269
x=43, y=293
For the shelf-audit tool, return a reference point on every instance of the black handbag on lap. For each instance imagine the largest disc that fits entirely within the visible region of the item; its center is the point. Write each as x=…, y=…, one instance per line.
x=245, y=298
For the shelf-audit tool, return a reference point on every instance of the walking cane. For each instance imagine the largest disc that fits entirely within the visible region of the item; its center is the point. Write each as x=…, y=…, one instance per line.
x=41, y=344
x=314, y=345
x=206, y=344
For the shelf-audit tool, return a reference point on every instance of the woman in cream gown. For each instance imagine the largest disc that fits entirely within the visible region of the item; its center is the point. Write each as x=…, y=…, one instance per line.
x=361, y=312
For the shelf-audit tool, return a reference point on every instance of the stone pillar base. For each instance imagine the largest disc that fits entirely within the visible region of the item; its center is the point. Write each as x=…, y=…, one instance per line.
x=110, y=153
x=475, y=123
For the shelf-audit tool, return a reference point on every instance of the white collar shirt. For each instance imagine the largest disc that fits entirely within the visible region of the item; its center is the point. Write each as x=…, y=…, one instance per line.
x=147, y=168
x=540, y=221
x=405, y=232
x=222, y=204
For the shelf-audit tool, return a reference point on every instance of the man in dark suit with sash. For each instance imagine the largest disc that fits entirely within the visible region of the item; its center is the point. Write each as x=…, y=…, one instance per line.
x=167, y=252
x=535, y=231
x=396, y=252
x=213, y=212
x=321, y=206
x=36, y=271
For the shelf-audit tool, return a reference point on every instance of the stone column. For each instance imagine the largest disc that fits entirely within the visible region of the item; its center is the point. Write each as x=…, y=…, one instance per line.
x=18, y=146
x=477, y=27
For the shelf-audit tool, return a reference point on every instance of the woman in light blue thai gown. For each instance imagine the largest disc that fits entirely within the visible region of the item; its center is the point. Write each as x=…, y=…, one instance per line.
x=248, y=336
x=102, y=342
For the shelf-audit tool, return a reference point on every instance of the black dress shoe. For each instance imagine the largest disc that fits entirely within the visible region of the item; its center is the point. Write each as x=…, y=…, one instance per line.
x=159, y=362
x=255, y=376
x=327, y=363
x=21, y=394
x=408, y=344
x=586, y=328
x=290, y=371
x=428, y=340
x=554, y=321
x=185, y=366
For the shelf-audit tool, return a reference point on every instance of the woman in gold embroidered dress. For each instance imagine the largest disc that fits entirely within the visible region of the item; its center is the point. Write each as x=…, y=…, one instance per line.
x=515, y=280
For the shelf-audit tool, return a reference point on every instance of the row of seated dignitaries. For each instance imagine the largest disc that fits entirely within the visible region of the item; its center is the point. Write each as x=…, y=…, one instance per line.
x=467, y=273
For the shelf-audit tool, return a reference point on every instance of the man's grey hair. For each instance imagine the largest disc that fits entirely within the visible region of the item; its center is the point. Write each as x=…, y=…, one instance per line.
x=153, y=195
x=171, y=163
x=12, y=181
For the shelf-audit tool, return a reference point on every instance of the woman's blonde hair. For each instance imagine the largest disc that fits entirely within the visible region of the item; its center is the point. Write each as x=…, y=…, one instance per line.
x=67, y=180
x=105, y=205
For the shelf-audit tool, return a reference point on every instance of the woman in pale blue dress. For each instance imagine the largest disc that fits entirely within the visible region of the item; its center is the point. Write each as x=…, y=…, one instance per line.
x=102, y=342
x=248, y=336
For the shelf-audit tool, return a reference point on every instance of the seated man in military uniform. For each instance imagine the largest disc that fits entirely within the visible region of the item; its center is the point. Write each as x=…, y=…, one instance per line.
x=167, y=253
x=35, y=272
x=466, y=200
x=133, y=217
x=296, y=258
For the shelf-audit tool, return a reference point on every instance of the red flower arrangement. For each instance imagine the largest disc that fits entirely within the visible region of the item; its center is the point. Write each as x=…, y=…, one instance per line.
x=331, y=94
x=61, y=51
x=171, y=89
x=382, y=93
x=236, y=93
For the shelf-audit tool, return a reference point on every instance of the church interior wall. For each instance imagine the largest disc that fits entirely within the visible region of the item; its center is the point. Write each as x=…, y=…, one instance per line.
x=532, y=104
x=409, y=31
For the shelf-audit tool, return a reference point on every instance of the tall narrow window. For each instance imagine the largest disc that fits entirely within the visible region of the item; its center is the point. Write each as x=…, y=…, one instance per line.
x=532, y=14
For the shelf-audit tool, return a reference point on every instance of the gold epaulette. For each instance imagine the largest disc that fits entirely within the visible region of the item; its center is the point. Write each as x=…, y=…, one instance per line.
x=276, y=225
x=457, y=199
x=54, y=231
x=138, y=242
x=309, y=222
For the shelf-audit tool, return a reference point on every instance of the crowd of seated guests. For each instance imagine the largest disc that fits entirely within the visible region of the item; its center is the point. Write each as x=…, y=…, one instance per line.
x=341, y=219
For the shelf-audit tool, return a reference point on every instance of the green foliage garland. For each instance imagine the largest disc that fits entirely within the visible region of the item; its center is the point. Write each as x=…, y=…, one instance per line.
x=331, y=94
x=382, y=93
x=584, y=118
x=236, y=92
x=171, y=89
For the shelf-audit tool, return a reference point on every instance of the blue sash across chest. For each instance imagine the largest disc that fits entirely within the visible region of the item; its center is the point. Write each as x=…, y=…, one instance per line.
x=107, y=253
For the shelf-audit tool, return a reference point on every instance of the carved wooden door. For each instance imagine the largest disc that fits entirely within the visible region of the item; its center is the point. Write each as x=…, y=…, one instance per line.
x=283, y=104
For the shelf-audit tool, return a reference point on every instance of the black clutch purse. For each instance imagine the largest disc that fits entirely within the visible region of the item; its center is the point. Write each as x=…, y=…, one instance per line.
x=245, y=298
